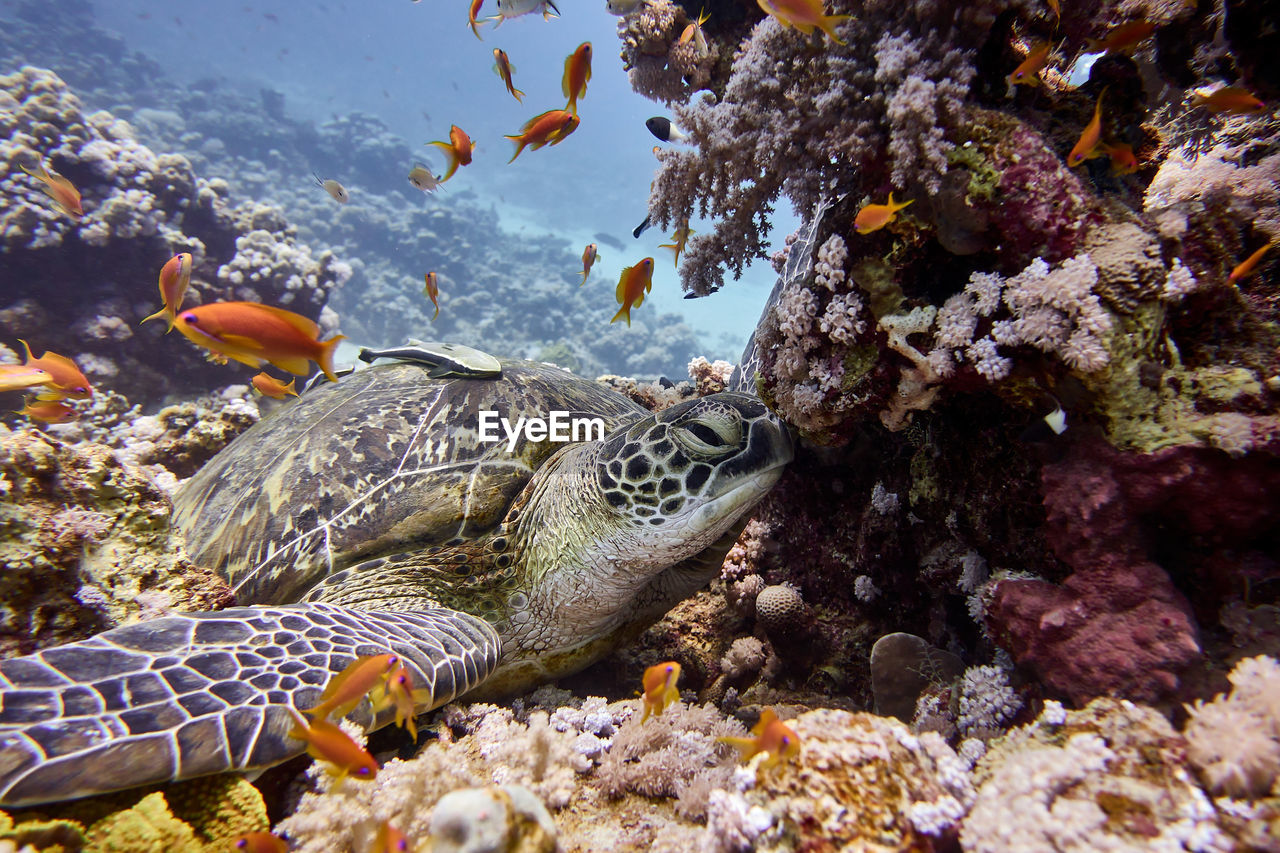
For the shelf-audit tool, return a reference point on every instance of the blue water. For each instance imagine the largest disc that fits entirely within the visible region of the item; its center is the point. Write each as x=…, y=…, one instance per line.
x=418, y=68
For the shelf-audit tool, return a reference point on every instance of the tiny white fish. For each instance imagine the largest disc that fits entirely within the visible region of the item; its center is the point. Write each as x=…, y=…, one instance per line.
x=333, y=188
x=516, y=8
x=621, y=8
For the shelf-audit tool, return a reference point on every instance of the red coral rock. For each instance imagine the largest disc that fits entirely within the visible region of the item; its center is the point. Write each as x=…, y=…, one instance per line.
x=1123, y=521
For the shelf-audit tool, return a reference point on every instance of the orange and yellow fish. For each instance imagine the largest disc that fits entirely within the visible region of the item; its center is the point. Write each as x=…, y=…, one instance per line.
x=503, y=68
x=49, y=411
x=1087, y=145
x=694, y=32
x=472, y=19
x=873, y=217
x=1246, y=267
x=549, y=127
x=65, y=379
x=327, y=742
x=1123, y=160
x=1233, y=100
x=804, y=15
x=1028, y=73
x=770, y=735
x=432, y=291
x=345, y=690
x=391, y=840
x=261, y=842
x=252, y=333
x=268, y=386
x=577, y=71
x=633, y=284
x=589, y=256
x=64, y=194
x=457, y=150
x=398, y=690
x=19, y=377
x=678, y=240
x=175, y=278
x=1122, y=38
x=660, y=688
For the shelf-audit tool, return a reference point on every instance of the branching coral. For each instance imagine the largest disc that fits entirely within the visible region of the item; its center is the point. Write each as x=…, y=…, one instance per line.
x=802, y=118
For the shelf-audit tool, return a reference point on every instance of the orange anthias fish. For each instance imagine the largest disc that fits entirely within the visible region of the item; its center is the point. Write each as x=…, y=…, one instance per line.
x=633, y=284
x=561, y=134
x=589, y=256
x=1123, y=160
x=771, y=735
x=64, y=194
x=1027, y=74
x=804, y=15
x=65, y=379
x=175, y=278
x=261, y=842
x=345, y=690
x=1246, y=267
x=269, y=386
x=458, y=150
x=1122, y=38
x=502, y=66
x=472, y=20
x=390, y=839
x=873, y=217
x=1087, y=145
x=678, y=240
x=660, y=688
x=694, y=32
x=327, y=742
x=19, y=377
x=432, y=290
x=1234, y=100
x=398, y=690
x=577, y=71
x=49, y=411
x=252, y=333
x=541, y=129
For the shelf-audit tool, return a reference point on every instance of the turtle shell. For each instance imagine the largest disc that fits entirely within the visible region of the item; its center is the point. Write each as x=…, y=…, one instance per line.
x=385, y=461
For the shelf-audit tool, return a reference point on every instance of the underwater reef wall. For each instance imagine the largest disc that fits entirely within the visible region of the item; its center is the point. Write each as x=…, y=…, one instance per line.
x=81, y=285
x=935, y=355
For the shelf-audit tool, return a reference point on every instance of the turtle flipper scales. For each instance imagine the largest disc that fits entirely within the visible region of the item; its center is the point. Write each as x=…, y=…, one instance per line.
x=201, y=693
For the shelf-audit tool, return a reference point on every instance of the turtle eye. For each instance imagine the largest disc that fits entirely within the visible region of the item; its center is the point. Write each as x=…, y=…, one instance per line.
x=709, y=436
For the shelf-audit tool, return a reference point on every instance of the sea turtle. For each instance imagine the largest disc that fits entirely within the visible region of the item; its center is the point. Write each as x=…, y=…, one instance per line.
x=370, y=516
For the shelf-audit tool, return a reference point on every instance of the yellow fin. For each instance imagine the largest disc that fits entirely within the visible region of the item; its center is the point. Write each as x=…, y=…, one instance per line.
x=240, y=341
x=297, y=365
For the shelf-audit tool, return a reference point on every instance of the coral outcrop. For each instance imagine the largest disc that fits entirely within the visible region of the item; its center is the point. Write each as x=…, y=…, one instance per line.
x=1051, y=365
x=80, y=287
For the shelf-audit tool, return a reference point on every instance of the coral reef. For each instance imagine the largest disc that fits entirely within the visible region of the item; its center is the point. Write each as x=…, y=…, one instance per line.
x=86, y=545
x=199, y=816
x=82, y=286
x=942, y=356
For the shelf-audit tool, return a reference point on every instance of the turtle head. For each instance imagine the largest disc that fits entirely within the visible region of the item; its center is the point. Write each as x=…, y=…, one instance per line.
x=683, y=476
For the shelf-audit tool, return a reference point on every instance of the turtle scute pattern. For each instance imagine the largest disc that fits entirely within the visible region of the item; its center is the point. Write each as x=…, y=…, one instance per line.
x=201, y=693
x=287, y=504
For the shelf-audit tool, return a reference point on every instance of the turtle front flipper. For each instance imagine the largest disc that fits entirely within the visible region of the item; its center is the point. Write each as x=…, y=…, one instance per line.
x=202, y=693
